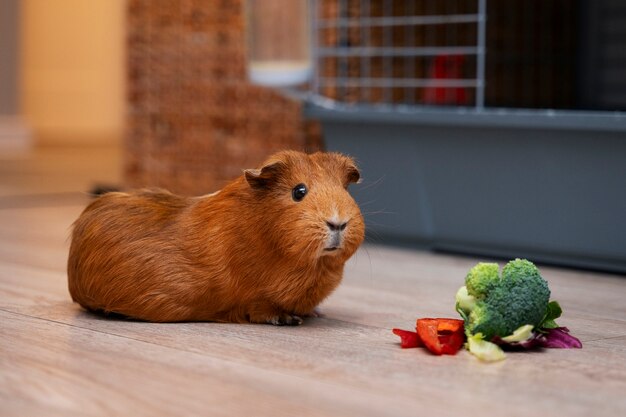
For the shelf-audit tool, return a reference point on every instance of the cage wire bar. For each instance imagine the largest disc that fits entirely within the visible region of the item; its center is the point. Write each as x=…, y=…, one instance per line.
x=482, y=54
x=345, y=31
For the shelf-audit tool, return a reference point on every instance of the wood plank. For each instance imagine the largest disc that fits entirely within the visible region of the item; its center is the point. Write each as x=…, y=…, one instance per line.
x=59, y=170
x=80, y=372
x=56, y=359
x=367, y=359
x=37, y=236
x=435, y=278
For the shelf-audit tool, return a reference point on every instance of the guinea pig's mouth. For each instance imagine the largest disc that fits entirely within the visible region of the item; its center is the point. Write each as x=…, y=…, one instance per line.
x=334, y=248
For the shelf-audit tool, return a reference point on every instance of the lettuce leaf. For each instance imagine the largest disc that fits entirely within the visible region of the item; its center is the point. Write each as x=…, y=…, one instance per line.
x=553, y=312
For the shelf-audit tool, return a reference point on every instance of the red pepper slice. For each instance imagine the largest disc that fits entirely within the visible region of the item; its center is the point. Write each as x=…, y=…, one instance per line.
x=441, y=336
x=451, y=343
x=408, y=339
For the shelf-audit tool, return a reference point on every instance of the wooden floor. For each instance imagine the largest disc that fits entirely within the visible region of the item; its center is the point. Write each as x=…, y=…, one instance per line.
x=57, y=360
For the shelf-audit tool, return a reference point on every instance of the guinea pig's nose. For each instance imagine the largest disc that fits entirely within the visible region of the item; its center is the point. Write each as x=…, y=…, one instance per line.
x=336, y=226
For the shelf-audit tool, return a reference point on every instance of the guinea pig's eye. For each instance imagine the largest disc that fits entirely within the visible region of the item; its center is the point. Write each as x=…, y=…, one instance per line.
x=298, y=192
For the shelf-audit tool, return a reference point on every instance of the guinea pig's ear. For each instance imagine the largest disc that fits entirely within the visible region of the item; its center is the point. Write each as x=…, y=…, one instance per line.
x=352, y=173
x=266, y=176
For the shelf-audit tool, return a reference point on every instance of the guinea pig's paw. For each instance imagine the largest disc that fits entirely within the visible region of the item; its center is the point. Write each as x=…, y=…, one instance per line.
x=285, y=320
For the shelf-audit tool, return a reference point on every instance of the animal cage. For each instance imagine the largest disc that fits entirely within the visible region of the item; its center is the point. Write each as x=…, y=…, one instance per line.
x=480, y=126
x=446, y=52
x=386, y=52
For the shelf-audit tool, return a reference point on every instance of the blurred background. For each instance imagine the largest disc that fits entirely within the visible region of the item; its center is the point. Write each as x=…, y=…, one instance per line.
x=63, y=69
x=483, y=127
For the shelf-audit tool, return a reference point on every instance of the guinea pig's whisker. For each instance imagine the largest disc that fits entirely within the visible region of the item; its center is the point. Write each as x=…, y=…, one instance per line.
x=373, y=239
x=367, y=203
x=377, y=212
x=374, y=183
x=357, y=257
x=372, y=223
x=369, y=258
x=306, y=251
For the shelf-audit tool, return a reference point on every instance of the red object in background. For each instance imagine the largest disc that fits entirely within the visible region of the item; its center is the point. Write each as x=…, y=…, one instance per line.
x=446, y=67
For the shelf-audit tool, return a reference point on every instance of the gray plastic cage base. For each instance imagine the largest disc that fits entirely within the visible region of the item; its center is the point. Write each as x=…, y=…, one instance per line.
x=550, y=191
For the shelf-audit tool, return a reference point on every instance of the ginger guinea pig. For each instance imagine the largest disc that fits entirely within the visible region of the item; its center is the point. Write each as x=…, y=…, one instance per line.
x=267, y=248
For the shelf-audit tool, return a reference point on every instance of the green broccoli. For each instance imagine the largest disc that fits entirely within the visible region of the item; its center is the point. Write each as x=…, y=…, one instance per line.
x=495, y=305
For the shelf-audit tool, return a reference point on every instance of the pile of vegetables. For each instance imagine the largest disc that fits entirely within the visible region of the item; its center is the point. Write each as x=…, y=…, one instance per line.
x=509, y=310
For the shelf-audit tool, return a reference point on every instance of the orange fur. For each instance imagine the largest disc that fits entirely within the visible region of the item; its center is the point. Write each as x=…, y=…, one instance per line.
x=248, y=253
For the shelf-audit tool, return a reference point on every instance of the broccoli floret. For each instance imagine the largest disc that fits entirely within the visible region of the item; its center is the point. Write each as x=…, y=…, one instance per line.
x=504, y=303
x=481, y=279
x=486, y=320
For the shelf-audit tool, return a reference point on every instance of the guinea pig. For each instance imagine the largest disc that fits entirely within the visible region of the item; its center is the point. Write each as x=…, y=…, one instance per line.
x=267, y=248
